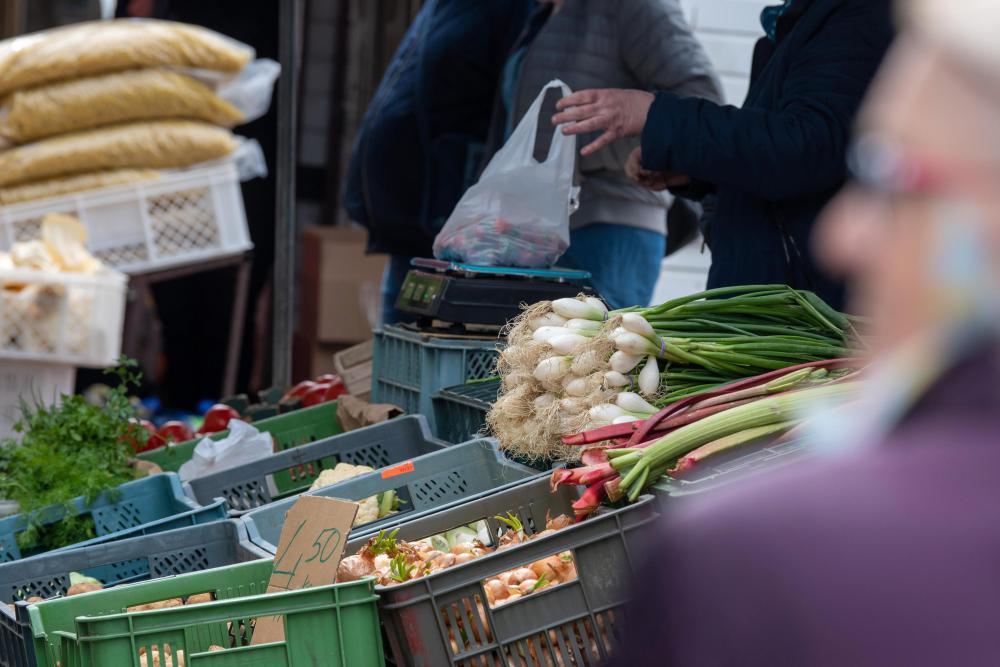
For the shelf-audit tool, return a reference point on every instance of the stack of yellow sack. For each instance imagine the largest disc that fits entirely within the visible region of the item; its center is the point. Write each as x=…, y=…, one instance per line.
x=110, y=102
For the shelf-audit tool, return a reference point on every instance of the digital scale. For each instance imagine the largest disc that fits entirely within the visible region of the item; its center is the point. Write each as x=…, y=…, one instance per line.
x=457, y=293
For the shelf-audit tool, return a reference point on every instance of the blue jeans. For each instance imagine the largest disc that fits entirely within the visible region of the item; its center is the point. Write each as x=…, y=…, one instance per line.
x=624, y=261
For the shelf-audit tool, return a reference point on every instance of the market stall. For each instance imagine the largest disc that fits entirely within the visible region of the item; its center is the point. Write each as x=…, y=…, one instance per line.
x=474, y=487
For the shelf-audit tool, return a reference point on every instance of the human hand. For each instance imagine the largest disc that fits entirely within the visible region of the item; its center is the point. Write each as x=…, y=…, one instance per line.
x=616, y=112
x=654, y=180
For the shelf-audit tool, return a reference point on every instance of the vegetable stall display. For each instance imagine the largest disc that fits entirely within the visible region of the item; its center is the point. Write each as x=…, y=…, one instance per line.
x=621, y=460
x=570, y=365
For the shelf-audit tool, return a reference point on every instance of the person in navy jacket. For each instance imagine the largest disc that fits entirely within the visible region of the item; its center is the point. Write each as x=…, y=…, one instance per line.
x=770, y=166
x=422, y=137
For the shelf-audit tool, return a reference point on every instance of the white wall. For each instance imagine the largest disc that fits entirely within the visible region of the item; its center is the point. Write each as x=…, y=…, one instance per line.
x=728, y=29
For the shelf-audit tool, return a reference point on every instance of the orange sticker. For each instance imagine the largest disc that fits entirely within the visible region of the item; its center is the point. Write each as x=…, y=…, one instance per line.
x=400, y=469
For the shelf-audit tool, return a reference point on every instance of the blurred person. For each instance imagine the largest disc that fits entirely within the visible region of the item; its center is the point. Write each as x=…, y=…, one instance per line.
x=422, y=136
x=618, y=232
x=770, y=166
x=884, y=552
x=196, y=310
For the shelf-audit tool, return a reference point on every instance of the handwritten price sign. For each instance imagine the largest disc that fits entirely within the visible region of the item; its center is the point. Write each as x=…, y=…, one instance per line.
x=309, y=552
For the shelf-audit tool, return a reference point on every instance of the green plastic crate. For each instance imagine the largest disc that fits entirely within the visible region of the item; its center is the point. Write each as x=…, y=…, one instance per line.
x=335, y=626
x=289, y=430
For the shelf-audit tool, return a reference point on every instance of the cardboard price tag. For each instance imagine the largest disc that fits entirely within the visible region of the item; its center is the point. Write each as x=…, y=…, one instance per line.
x=312, y=543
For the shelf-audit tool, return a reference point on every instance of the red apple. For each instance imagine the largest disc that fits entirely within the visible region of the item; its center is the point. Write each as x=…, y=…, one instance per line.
x=300, y=390
x=217, y=418
x=175, y=431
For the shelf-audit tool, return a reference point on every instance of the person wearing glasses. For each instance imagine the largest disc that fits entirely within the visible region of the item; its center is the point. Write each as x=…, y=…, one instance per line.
x=885, y=551
x=769, y=167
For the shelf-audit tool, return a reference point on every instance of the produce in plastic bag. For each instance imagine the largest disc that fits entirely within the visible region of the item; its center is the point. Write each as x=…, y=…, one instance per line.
x=158, y=145
x=53, y=187
x=149, y=94
x=518, y=212
x=244, y=444
x=98, y=47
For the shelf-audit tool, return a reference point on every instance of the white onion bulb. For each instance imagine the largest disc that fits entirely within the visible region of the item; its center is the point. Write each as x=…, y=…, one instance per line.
x=636, y=323
x=624, y=362
x=615, y=380
x=634, y=403
x=570, y=343
x=552, y=369
x=636, y=345
x=649, y=378
x=573, y=308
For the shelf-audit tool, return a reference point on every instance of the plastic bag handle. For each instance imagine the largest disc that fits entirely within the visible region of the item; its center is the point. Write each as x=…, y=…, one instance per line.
x=526, y=154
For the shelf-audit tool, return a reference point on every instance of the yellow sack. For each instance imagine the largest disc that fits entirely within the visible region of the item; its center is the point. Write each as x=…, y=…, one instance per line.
x=98, y=47
x=165, y=144
x=82, y=104
x=55, y=187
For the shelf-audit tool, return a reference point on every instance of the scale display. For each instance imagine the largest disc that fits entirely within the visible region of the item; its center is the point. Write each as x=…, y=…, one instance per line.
x=466, y=294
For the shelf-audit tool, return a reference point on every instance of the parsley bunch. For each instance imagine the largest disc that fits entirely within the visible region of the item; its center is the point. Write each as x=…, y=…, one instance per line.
x=68, y=450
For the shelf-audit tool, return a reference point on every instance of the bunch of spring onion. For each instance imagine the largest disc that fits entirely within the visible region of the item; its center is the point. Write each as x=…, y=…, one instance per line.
x=689, y=432
x=570, y=365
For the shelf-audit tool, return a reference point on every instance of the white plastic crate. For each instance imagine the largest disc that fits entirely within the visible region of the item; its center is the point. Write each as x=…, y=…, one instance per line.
x=62, y=318
x=29, y=380
x=183, y=217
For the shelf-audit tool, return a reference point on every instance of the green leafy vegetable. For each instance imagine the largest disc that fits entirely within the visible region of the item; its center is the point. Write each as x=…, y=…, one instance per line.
x=384, y=543
x=68, y=450
x=399, y=569
x=511, y=521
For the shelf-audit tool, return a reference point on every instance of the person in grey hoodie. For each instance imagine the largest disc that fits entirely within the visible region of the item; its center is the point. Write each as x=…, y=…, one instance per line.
x=618, y=232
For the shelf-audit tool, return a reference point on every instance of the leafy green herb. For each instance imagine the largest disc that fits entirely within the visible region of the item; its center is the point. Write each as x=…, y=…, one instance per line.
x=384, y=543
x=399, y=569
x=68, y=450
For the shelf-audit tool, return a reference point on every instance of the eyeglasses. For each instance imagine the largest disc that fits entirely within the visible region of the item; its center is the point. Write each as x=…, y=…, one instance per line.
x=884, y=167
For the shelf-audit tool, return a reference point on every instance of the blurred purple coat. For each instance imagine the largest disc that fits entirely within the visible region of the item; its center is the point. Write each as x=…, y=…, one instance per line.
x=890, y=556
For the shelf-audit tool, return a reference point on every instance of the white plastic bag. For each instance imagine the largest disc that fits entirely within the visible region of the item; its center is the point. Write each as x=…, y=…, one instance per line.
x=251, y=90
x=244, y=444
x=518, y=212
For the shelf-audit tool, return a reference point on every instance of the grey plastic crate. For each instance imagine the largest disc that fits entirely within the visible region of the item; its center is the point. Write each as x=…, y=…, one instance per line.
x=147, y=557
x=460, y=411
x=126, y=561
x=16, y=647
x=444, y=619
x=252, y=485
x=730, y=467
x=424, y=484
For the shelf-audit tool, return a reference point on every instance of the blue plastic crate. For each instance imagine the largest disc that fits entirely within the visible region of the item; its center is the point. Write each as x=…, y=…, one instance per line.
x=150, y=504
x=409, y=368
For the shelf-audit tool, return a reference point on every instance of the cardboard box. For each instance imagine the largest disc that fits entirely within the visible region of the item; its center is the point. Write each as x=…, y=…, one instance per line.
x=340, y=285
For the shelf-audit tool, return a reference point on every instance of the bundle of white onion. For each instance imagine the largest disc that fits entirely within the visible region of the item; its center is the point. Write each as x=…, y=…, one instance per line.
x=571, y=365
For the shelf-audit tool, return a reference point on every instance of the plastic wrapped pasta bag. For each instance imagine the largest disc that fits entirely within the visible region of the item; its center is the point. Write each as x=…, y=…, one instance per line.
x=54, y=187
x=154, y=145
x=99, y=47
x=146, y=94
x=518, y=212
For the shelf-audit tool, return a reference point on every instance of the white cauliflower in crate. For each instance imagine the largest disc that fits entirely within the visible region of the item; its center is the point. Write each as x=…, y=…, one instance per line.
x=368, y=508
